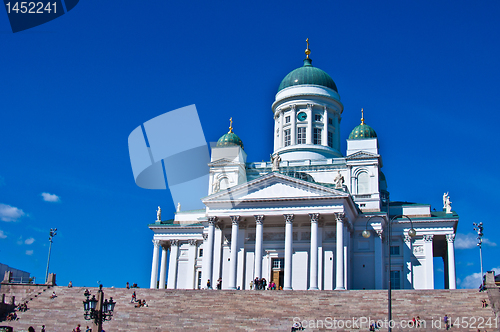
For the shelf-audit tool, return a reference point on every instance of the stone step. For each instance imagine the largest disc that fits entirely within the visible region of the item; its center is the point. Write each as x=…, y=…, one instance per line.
x=211, y=310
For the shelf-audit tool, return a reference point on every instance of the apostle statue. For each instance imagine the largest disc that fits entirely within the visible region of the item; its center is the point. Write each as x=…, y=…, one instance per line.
x=276, y=159
x=179, y=207
x=158, y=214
x=339, y=181
x=447, y=202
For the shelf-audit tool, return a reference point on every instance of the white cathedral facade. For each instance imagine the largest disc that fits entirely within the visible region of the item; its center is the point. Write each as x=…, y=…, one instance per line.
x=312, y=218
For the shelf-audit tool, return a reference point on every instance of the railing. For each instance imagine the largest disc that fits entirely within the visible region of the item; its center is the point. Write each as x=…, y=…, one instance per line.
x=23, y=280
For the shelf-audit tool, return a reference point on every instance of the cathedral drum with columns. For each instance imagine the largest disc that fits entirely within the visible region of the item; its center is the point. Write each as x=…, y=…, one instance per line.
x=311, y=218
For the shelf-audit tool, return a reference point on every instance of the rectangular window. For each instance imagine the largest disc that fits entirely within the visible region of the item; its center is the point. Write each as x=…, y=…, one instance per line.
x=287, y=119
x=330, y=139
x=330, y=121
x=394, y=250
x=317, y=117
x=317, y=135
x=200, y=254
x=287, y=137
x=301, y=135
x=395, y=280
x=278, y=263
x=199, y=280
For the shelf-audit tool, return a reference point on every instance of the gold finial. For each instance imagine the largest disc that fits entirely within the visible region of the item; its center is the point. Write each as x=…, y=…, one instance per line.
x=231, y=125
x=362, y=117
x=308, y=51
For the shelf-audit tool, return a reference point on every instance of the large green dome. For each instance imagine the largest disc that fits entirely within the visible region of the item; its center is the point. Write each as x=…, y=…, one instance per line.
x=229, y=139
x=307, y=75
x=362, y=131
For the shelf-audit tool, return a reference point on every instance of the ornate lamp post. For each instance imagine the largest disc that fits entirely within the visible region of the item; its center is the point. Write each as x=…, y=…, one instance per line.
x=97, y=310
x=479, y=229
x=411, y=233
x=52, y=233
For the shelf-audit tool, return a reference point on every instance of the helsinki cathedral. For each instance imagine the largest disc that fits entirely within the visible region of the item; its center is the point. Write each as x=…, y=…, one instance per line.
x=310, y=219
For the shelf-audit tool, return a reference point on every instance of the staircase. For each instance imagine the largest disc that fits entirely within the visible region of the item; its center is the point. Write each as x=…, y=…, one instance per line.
x=211, y=310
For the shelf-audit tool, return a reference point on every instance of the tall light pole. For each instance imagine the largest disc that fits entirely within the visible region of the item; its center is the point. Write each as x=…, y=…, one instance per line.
x=479, y=229
x=52, y=233
x=411, y=233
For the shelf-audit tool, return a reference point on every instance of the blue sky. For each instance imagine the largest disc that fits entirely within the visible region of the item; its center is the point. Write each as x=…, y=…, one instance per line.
x=72, y=90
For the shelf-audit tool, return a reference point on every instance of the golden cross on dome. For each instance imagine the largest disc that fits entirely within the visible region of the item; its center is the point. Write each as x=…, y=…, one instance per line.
x=308, y=51
x=362, y=117
x=231, y=125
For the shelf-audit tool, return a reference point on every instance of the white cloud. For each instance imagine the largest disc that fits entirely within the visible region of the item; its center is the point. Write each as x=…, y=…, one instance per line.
x=29, y=252
x=50, y=197
x=2, y=235
x=10, y=213
x=469, y=241
x=29, y=241
x=20, y=240
x=474, y=280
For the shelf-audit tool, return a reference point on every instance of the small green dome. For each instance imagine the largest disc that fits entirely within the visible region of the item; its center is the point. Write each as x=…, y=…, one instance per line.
x=362, y=131
x=229, y=139
x=307, y=75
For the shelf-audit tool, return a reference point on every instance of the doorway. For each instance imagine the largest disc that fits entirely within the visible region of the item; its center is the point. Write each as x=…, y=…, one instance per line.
x=278, y=272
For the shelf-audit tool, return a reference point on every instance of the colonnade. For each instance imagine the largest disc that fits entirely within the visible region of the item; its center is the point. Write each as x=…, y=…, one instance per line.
x=208, y=259
x=341, y=266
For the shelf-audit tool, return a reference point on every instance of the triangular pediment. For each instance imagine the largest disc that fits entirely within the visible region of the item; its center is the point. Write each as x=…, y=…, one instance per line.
x=362, y=155
x=274, y=187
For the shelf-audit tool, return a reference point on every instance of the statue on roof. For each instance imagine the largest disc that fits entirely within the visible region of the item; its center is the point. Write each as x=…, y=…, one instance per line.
x=158, y=214
x=339, y=181
x=276, y=159
x=446, y=202
x=179, y=207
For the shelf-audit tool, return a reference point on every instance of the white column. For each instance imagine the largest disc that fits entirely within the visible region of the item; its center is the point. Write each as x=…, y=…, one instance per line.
x=452, y=281
x=288, y=251
x=407, y=265
x=163, y=266
x=310, y=120
x=191, y=275
x=340, y=252
x=324, y=134
x=154, y=268
x=281, y=138
x=313, y=272
x=293, y=126
x=208, y=254
x=320, y=256
x=259, y=233
x=234, y=252
x=346, y=258
x=217, y=259
x=429, y=262
x=172, y=265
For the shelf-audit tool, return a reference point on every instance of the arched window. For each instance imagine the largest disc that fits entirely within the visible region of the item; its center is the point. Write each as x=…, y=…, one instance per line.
x=224, y=183
x=363, y=183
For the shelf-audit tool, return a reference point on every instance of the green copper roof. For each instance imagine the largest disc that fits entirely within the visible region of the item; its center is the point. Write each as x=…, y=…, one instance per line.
x=307, y=74
x=362, y=131
x=229, y=139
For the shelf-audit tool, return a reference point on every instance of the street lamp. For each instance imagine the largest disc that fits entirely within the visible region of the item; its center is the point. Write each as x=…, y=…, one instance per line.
x=52, y=233
x=479, y=229
x=411, y=233
x=97, y=310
